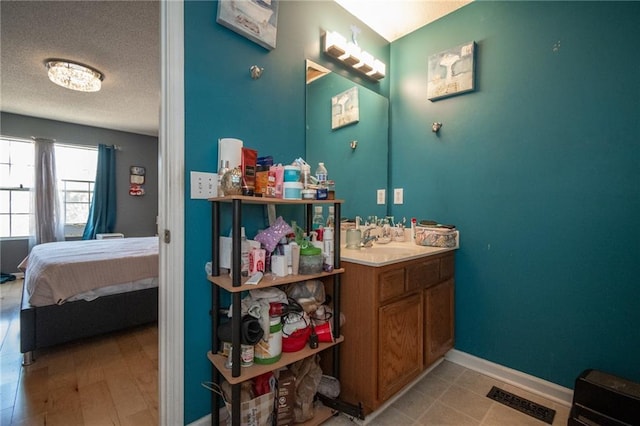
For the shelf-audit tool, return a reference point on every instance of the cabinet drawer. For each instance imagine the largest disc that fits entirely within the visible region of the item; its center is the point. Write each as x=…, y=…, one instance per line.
x=447, y=267
x=391, y=284
x=423, y=274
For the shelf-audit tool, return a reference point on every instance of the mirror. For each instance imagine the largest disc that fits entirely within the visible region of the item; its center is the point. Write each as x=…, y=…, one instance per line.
x=355, y=154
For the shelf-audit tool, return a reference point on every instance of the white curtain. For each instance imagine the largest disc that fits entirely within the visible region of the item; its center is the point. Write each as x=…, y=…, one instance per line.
x=48, y=221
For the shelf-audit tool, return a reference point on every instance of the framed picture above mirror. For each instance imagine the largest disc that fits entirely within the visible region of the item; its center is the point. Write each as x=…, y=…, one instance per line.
x=256, y=20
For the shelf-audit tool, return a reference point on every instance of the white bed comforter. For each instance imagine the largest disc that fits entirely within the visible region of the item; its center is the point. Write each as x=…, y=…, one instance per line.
x=55, y=272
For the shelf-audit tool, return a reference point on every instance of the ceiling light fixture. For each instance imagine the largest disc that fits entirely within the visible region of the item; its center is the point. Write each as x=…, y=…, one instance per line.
x=336, y=46
x=74, y=76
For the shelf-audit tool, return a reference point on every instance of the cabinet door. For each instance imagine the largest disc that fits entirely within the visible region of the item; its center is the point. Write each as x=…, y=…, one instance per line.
x=439, y=324
x=400, y=334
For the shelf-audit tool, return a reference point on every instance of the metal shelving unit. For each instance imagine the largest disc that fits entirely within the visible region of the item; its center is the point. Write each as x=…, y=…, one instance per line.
x=235, y=285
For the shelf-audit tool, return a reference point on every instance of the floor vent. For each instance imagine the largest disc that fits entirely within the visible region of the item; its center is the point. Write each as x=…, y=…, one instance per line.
x=523, y=405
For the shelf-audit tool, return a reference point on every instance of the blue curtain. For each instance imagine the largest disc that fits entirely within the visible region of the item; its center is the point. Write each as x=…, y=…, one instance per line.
x=102, y=214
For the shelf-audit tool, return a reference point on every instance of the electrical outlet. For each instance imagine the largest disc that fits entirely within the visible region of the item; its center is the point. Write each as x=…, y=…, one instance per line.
x=203, y=185
x=381, y=196
x=398, y=196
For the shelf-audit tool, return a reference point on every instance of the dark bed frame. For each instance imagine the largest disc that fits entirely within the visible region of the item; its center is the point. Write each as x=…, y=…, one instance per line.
x=43, y=326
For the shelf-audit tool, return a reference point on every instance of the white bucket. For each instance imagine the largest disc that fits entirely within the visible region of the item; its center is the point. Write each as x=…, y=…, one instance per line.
x=270, y=351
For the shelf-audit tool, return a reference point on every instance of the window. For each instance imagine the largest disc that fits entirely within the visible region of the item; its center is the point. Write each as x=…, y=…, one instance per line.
x=76, y=170
x=16, y=180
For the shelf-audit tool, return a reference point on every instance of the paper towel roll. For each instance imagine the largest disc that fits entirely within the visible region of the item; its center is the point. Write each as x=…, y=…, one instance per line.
x=230, y=149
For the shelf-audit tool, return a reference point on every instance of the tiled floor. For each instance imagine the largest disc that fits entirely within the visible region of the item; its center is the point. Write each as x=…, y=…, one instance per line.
x=456, y=396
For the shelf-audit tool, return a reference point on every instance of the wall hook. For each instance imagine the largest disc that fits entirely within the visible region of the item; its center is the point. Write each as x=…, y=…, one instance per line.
x=435, y=127
x=256, y=72
x=353, y=144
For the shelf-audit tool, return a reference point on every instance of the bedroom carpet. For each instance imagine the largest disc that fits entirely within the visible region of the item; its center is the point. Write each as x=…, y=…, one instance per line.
x=111, y=379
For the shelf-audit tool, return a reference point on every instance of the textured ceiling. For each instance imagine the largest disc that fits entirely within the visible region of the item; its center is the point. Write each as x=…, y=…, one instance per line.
x=122, y=40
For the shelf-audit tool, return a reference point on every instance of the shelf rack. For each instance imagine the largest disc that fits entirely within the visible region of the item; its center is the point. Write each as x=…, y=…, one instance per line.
x=235, y=285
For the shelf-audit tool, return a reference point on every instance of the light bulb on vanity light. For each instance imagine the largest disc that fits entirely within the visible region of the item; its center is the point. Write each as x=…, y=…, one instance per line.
x=379, y=70
x=334, y=44
x=352, y=56
x=366, y=63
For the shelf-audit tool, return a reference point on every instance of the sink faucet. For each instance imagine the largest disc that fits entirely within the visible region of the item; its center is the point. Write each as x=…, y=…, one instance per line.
x=367, y=238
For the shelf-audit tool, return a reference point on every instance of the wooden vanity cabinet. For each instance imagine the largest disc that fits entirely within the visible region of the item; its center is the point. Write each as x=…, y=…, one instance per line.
x=399, y=320
x=439, y=312
x=400, y=344
x=439, y=321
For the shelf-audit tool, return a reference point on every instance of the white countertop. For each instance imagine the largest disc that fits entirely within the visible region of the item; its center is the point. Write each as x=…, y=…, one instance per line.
x=386, y=254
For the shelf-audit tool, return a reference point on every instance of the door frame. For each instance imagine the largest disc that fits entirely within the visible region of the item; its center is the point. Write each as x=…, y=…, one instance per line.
x=171, y=194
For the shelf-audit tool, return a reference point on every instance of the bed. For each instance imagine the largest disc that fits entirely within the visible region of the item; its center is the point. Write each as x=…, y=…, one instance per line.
x=78, y=289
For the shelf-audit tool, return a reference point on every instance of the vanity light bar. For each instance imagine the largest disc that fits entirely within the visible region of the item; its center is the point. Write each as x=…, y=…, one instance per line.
x=336, y=46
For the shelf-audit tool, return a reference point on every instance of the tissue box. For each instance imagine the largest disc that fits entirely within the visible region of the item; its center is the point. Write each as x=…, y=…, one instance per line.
x=437, y=237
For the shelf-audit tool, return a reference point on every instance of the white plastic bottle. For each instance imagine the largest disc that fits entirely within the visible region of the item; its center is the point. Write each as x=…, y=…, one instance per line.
x=327, y=248
x=321, y=175
x=244, y=254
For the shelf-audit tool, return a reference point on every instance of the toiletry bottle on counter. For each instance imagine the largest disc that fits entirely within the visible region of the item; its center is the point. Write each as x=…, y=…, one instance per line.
x=413, y=229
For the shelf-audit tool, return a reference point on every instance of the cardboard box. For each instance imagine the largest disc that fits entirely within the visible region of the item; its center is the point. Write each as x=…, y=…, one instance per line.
x=285, y=398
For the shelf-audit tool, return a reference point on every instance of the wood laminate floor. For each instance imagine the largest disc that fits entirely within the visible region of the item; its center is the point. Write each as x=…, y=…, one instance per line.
x=107, y=380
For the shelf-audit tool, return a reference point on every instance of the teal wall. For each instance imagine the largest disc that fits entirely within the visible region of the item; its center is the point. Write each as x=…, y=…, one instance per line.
x=540, y=170
x=221, y=100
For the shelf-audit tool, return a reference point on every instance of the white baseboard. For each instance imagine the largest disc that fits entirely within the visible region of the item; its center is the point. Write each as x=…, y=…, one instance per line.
x=546, y=389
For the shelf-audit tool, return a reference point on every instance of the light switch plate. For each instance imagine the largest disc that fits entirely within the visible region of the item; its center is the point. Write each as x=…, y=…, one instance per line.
x=381, y=196
x=398, y=196
x=203, y=185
